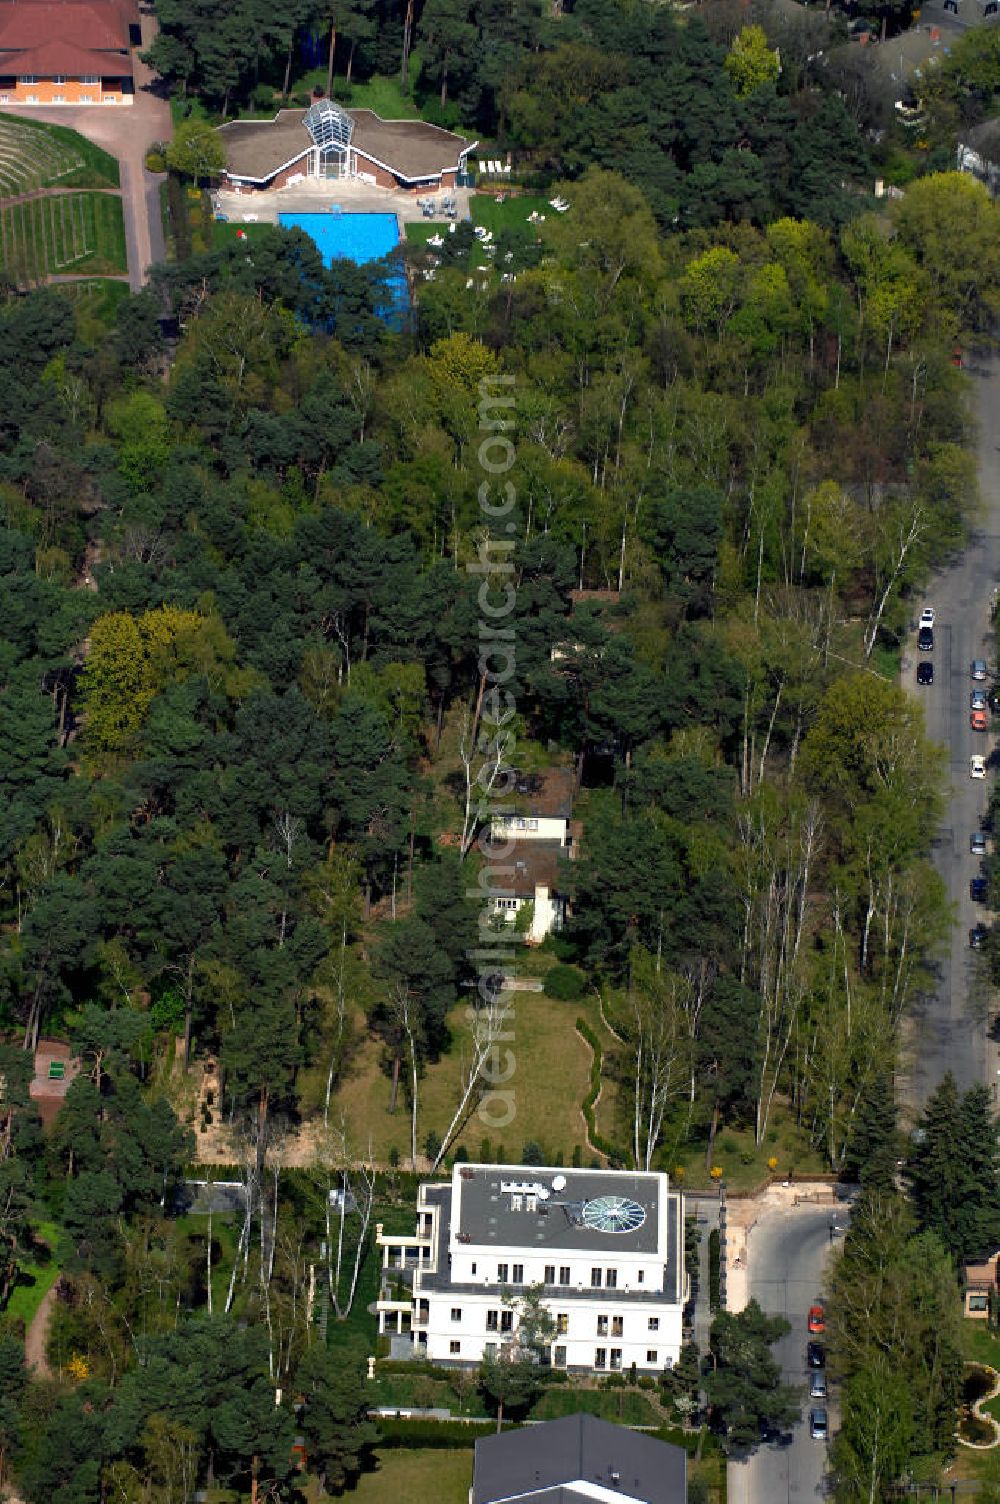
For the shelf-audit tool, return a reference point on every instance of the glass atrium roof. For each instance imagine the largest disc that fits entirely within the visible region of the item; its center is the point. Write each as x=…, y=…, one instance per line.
x=328, y=124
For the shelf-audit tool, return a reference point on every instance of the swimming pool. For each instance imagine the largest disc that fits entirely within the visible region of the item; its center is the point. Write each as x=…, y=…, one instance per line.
x=355, y=237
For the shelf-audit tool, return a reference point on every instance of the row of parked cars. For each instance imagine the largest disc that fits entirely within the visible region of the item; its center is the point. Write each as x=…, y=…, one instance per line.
x=982, y=703
x=819, y=1424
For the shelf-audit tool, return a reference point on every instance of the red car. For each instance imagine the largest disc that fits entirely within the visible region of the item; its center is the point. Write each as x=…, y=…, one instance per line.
x=817, y=1321
x=979, y=720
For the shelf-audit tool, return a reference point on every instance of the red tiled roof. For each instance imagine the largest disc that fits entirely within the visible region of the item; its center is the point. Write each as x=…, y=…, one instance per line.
x=33, y=27
x=65, y=58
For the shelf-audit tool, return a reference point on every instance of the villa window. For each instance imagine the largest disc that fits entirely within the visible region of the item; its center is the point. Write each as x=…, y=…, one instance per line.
x=602, y=1326
x=654, y=1323
x=550, y=1274
x=641, y=1277
x=27, y=78
x=562, y=1324
x=595, y=1279
x=611, y=1279
x=473, y=1268
x=492, y=1321
x=456, y=1314
x=454, y=1347
x=564, y=1274
x=617, y=1327
x=58, y=78
x=90, y=78
x=616, y=1359
x=517, y=1276
x=559, y=1357
x=502, y=1270
x=650, y=1354
x=601, y=1357
x=506, y=1321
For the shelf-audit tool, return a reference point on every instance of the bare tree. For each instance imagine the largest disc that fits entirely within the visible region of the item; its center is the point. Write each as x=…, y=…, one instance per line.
x=488, y=1030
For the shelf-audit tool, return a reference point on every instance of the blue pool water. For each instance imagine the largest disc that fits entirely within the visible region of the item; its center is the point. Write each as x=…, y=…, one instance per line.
x=356, y=237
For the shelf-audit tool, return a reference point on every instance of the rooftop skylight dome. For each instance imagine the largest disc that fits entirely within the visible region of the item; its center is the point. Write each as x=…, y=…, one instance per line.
x=328, y=124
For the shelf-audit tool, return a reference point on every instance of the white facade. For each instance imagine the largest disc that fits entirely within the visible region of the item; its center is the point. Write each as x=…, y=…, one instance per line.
x=530, y=828
x=616, y=1296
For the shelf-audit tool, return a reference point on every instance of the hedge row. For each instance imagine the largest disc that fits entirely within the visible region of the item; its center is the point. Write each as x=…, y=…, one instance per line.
x=599, y=1142
x=432, y=1433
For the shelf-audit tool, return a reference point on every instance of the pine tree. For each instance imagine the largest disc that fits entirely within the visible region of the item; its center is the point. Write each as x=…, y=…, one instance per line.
x=872, y=1152
x=933, y=1172
x=977, y=1211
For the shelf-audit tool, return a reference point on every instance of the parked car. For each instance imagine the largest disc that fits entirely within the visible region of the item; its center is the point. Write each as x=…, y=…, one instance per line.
x=977, y=843
x=925, y=640
x=925, y=672
x=817, y=1386
x=977, y=766
x=817, y=1425
x=978, y=700
x=977, y=936
x=979, y=720
x=927, y=616
x=815, y=1355
x=979, y=889
x=816, y=1322
x=977, y=668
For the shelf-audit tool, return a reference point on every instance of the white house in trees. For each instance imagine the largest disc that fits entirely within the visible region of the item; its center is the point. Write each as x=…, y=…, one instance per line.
x=528, y=844
x=606, y=1248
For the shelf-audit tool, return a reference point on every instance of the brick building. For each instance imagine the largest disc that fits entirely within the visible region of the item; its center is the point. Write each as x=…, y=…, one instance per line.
x=69, y=52
x=330, y=142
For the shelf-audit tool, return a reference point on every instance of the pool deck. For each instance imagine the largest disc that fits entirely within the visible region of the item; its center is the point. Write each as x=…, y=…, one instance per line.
x=315, y=195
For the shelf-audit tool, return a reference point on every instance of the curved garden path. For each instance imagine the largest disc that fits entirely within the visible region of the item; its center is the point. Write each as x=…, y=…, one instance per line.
x=36, y=1338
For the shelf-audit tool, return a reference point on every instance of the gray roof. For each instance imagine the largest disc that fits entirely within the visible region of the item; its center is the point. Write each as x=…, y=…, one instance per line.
x=534, y=1464
x=412, y=149
x=486, y=1217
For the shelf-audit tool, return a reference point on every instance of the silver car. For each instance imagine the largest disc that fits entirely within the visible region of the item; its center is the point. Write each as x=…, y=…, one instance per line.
x=978, y=668
x=977, y=843
x=817, y=1387
x=978, y=700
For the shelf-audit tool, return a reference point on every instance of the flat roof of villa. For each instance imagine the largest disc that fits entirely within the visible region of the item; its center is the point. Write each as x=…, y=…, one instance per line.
x=412, y=149
x=486, y=1217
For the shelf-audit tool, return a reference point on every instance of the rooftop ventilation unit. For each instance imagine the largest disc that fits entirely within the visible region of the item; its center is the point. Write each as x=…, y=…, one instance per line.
x=525, y=1188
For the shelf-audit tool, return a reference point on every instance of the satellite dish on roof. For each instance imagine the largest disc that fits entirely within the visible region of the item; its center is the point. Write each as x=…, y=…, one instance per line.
x=559, y=1183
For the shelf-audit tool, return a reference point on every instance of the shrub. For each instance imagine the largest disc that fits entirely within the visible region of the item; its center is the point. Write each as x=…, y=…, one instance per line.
x=263, y=97
x=155, y=160
x=714, y=1269
x=576, y=1158
x=432, y=1145
x=432, y=1433
x=563, y=983
x=532, y=1153
x=486, y=1152
x=606, y=1148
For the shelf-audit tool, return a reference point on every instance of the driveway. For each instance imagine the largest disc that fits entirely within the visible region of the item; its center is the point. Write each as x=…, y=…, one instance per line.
x=786, y=1252
x=127, y=133
x=949, y=1032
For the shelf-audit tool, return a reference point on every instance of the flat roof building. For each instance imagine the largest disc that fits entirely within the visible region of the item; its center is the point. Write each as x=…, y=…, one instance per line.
x=604, y=1247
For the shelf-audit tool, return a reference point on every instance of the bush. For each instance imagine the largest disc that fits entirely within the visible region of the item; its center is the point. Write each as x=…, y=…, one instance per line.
x=432, y=1433
x=586, y=1032
x=563, y=983
x=532, y=1153
x=486, y=1152
x=155, y=160
x=714, y=1269
x=432, y=1145
x=263, y=97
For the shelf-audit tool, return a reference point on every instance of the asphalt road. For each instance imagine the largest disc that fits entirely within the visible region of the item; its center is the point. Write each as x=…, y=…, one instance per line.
x=950, y=1031
x=786, y=1256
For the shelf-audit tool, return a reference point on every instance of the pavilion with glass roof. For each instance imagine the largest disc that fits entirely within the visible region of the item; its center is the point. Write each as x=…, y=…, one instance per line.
x=329, y=141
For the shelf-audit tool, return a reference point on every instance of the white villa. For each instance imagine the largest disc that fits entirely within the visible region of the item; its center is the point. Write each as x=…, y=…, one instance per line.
x=605, y=1246
x=532, y=842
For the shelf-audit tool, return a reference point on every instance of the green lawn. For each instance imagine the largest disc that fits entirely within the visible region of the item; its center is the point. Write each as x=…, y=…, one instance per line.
x=979, y=1345
x=512, y=212
x=431, y=1476
x=550, y=1080
x=35, y=155
x=64, y=234
x=227, y=233
x=36, y=1277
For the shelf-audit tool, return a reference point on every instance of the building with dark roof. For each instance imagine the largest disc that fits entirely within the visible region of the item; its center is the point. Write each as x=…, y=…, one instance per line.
x=606, y=1248
x=67, y=52
x=577, y=1460
x=329, y=141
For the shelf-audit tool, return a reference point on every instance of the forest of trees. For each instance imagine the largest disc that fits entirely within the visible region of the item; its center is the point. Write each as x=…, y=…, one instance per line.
x=239, y=658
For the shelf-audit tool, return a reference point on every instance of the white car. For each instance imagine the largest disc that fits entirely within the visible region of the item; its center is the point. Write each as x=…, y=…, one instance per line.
x=977, y=767
x=927, y=616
